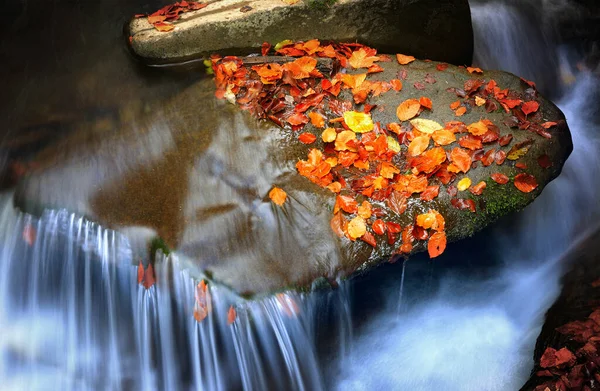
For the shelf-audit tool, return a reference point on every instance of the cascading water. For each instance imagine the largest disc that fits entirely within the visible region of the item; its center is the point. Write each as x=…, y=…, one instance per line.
x=479, y=333
x=73, y=317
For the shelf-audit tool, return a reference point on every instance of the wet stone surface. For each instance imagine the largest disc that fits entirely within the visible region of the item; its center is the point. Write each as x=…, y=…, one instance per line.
x=197, y=172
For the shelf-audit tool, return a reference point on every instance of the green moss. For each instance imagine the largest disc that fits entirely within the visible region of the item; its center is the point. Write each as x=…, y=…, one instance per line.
x=158, y=244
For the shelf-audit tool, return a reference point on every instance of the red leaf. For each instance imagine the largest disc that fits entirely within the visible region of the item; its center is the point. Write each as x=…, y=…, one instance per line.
x=525, y=183
x=478, y=188
x=441, y=66
x=505, y=140
x=140, y=273
x=307, y=138
x=348, y=204
x=530, y=107
x=436, y=244
x=462, y=204
x=264, y=50
x=231, y=315
x=379, y=227
x=149, y=278
x=499, y=178
x=544, y=161
x=369, y=239
x=430, y=193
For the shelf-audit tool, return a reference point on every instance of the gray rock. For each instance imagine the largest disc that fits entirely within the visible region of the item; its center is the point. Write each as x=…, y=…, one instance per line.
x=435, y=29
x=198, y=172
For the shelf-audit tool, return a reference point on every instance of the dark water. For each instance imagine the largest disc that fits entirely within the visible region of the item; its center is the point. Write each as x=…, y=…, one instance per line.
x=72, y=316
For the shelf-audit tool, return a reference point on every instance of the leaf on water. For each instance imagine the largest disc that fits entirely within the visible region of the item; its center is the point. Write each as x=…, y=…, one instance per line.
x=347, y=204
x=403, y=59
x=379, y=227
x=525, y=182
x=29, y=234
x=278, y=196
x=231, y=315
x=408, y=109
x=140, y=273
x=149, y=277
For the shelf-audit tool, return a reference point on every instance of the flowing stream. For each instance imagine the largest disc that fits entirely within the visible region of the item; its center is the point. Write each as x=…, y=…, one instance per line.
x=73, y=317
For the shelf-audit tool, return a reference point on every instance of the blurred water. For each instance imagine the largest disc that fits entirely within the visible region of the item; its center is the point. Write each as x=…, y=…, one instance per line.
x=479, y=333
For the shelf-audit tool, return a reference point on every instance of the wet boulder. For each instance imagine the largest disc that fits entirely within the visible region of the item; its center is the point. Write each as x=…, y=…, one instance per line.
x=435, y=29
x=313, y=167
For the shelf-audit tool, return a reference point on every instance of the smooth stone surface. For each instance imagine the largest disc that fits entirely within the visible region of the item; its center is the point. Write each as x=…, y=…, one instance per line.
x=428, y=29
x=198, y=171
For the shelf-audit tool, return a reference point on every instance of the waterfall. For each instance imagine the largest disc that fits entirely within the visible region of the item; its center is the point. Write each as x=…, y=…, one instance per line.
x=73, y=317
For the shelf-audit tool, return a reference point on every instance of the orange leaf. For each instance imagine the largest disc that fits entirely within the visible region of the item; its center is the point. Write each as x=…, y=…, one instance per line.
x=397, y=202
x=343, y=139
x=365, y=210
x=231, y=315
x=474, y=70
x=455, y=105
x=530, y=107
x=460, y=111
x=425, y=102
x=396, y=84
x=525, y=183
x=307, y=138
x=436, y=244
x=317, y=119
x=470, y=142
x=301, y=68
x=163, y=27
x=269, y=73
x=297, y=119
x=140, y=273
x=478, y=128
x=361, y=59
x=338, y=223
x=403, y=60
x=278, y=196
x=388, y=170
x=429, y=160
x=353, y=81
x=430, y=193
x=329, y=135
x=443, y=137
x=549, y=124
x=408, y=109
x=149, y=278
x=499, y=178
x=478, y=188
x=461, y=159
x=347, y=203
x=418, y=145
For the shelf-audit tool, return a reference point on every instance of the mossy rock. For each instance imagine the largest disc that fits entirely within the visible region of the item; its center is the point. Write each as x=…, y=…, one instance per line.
x=198, y=172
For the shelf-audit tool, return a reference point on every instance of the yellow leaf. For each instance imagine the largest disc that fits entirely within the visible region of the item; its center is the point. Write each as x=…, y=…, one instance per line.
x=365, y=210
x=393, y=144
x=283, y=43
x=463, y=184
x=329, y=135
x=479, y=101
x=426, y=125
x=358, y=122
x=356, y=228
